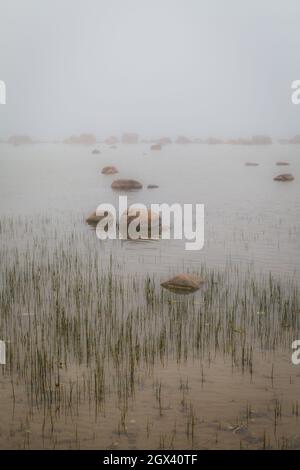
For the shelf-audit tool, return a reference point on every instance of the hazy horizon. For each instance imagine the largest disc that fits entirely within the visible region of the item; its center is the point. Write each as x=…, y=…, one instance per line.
x=159, y=68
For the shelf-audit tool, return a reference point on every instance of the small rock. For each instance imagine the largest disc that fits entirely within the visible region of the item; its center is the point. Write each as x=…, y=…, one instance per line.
x=183, y=283
x=93, y=218
x=109, y=170
x=126, y=185
x=284, y=177
x=155, y=147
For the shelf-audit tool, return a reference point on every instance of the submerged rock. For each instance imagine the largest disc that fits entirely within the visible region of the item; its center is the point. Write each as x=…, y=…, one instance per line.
x=183, y=284
x=284, y=177
x=126, y=185
x=282, y=163
x=251, y=164
x=152, y=186
x=109, y=170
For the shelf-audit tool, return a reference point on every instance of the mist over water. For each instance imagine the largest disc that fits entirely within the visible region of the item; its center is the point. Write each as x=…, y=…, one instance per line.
x=158, y=68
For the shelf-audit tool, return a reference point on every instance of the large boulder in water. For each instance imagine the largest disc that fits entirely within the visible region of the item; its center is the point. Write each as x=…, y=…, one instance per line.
x=144, y=216
x=183, y=284
x=109, y=170
x=126, y=185
x=284, y=177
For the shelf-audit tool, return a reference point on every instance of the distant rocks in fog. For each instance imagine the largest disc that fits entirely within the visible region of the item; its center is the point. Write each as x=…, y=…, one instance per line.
x=112, y=140
x=20, y=139
x=84, y=139
x=163, y=141
x=255, y=140
x=213, y=141
x=126, y=185
x=96, y=152
x=282, y=163
x=284, y=177
x=181, y=139
x=130, y=138
x=293, y=140
x=109, y=170
x=155, y=147
x=251, y=164
x=152, y=186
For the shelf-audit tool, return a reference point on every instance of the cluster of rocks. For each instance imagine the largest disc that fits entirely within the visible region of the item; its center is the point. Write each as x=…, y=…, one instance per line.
x=293, y=140
x=20, y=139
x=83, y=139
x=285, y=177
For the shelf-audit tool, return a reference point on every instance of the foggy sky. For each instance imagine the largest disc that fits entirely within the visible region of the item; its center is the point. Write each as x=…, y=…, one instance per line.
x=159, y=67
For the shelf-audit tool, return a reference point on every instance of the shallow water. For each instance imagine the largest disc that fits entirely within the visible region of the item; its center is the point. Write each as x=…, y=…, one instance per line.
x=98, y=354
x=249, y=219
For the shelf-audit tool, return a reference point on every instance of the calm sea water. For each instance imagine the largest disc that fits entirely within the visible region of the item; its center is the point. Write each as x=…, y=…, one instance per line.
x=250, y=220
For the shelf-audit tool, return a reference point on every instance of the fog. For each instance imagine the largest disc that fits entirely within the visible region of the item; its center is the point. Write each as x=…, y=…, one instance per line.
x=159, y=67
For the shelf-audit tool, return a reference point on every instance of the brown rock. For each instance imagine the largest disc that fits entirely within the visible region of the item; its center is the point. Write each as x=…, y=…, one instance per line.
x=93, y=218
x=112, y=140
x=284, y=177
x=109, y=170
x=86, y=139
x=130, y=138
x=155, y=147
x=145, y=216
x=183, y=140
x=183, y=284
x=20, y=139
x=126, y=185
